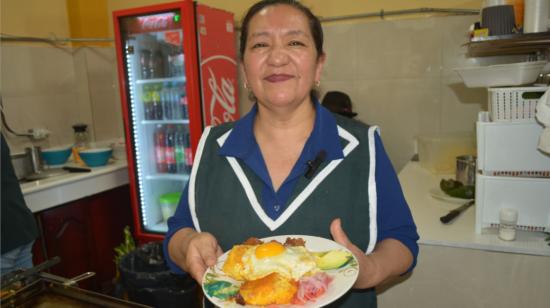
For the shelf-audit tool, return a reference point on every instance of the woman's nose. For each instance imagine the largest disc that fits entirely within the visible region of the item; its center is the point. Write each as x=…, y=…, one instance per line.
x=278, y=56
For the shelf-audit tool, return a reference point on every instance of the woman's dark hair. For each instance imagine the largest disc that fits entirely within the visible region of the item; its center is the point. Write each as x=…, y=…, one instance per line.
x=314, y=23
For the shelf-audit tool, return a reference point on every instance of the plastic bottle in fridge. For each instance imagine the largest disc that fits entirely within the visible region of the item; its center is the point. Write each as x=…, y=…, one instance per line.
x=175, y=94
x=166, y=101
x=145, y=62
x=184, y=107
x=172, y=66
x=184, y=112
x=179, y=63
x=188, y=150
x=169, y=150
x=157, y=67
x=155, y=101
x=180, y=150
x=147, y=102
x=159, y=141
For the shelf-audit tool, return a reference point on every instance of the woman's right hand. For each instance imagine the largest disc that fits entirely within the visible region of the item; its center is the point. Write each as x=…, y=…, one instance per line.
x=194, y=251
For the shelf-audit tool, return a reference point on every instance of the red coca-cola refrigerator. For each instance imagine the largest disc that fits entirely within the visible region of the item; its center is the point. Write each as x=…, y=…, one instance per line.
x=177, y=72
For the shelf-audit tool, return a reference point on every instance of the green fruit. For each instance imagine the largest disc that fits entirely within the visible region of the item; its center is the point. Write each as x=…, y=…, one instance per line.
x=333, y=259
x=449, y=184
x=463, y=192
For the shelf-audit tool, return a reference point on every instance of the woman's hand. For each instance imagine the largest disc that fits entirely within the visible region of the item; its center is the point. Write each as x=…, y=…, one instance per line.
x=390, y=258
x=194, y=251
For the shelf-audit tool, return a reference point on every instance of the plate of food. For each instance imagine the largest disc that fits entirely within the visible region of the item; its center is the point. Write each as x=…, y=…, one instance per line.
x=287, y=270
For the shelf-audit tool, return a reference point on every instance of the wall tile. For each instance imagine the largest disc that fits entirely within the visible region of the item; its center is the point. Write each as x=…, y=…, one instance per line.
x=402, y=109
x=32, y=70
x=460, y=105
x=398, y=49
x=454, y=32
x=341, y=50
x=101, y=70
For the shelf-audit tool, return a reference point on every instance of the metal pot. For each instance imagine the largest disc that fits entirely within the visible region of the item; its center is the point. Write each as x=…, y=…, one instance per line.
x=466, y=169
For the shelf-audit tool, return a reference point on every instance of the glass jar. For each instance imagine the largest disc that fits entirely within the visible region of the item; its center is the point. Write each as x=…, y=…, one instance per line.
x=81, y=140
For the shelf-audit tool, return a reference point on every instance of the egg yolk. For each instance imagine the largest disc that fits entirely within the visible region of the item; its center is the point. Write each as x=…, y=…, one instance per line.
x=270, y=249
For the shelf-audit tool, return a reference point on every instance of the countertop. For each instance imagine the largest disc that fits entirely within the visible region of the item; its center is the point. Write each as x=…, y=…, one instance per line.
x=47, y=193
x=417, y=183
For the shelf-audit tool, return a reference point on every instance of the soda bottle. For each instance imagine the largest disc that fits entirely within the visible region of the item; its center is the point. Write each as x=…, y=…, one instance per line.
x=157, y=64
x=175, y=102
x=179, y=60
x=169, y=150
x=160, y=157
x=165, y=101
x=156, y=104
x=172, y=62
x=145, y=62
x=180, y=150
x=184, y=106
x=188, y=150
x=147, y=103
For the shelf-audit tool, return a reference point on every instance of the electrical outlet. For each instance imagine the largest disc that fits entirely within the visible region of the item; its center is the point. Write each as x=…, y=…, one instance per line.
x=39, y=133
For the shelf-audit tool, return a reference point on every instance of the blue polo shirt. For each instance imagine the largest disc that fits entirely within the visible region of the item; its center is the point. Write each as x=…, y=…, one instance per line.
x=394, y=217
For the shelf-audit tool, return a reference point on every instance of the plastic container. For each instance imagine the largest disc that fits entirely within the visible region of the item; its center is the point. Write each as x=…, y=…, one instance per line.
x=438, y=153
x=512, y=74
x=510, y=148
x=168, y=204
x=529, y=196
x=514, y=104
x=508, y=221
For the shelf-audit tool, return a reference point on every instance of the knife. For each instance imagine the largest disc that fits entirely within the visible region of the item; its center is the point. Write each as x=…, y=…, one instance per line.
x=76, y=169
x=454, y=213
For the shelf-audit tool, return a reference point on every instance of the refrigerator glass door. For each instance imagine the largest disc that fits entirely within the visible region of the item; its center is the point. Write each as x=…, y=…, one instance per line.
x=158, y=112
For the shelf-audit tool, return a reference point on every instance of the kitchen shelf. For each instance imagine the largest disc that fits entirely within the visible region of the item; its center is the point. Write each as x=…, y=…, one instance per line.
x=180, y=79
x=509, y=44
x=155, y=122
x=168, y=176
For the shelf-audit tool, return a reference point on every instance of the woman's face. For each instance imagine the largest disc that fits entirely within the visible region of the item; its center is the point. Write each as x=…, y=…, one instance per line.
x=280, y=62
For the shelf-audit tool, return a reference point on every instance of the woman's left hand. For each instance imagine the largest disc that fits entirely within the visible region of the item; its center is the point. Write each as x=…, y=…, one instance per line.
x=390, y=258
x=365, y=265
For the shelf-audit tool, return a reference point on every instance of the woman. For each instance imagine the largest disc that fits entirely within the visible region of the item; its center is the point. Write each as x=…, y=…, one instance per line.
x=255, y=177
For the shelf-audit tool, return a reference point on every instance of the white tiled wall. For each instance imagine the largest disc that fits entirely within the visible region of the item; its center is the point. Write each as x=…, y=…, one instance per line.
x=397, y=72
x=399, y=76
x=55, y=87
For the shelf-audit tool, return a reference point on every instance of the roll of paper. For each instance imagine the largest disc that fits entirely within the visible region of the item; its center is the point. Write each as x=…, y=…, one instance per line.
x=536, y=16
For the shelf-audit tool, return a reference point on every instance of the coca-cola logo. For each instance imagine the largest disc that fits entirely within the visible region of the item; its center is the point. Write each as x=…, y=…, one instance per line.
x=156, y=22
x=220, y=95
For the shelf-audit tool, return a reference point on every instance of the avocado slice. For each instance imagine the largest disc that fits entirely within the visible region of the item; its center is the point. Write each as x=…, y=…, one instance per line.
x=333, y=259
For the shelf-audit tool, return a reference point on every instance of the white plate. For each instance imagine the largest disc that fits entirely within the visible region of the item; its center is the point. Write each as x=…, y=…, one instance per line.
x=343, y=278
x=437, y=193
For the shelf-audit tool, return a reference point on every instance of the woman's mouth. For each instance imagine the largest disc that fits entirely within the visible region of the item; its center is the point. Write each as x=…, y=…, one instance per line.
x=278, y=77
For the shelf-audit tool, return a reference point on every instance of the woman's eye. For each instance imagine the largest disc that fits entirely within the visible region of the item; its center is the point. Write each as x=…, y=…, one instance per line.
x=296, y=43
x=258, y=45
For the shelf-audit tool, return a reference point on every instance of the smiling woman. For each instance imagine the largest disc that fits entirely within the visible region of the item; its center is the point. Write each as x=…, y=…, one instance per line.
x=261, y=166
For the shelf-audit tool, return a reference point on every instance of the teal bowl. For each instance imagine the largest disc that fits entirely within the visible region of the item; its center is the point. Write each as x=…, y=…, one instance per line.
x=56, y=156
x=96, y=157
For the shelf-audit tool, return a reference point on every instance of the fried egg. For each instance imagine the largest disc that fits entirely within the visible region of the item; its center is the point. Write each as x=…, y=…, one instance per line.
x=251, y=262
